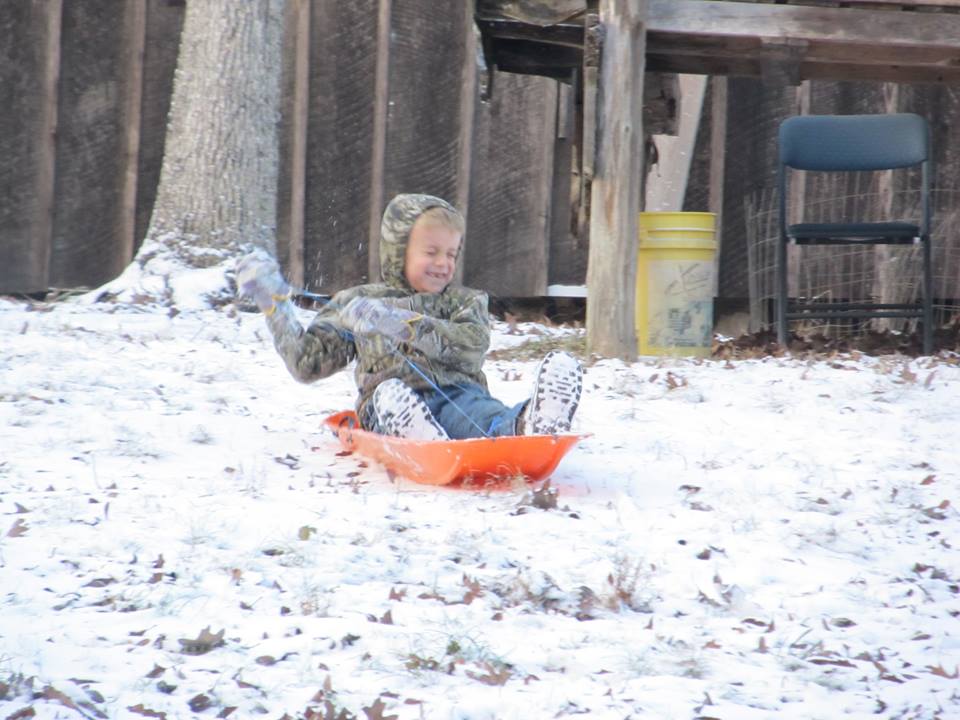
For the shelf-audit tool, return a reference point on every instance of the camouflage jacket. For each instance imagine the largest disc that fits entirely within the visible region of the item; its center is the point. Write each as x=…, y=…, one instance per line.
x=451, y=339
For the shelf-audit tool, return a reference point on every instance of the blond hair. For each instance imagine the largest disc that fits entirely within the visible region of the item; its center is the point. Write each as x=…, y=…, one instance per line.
x=444, y=217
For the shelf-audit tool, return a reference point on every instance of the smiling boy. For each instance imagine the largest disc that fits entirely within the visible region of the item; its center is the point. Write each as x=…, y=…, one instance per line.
x=419, y=339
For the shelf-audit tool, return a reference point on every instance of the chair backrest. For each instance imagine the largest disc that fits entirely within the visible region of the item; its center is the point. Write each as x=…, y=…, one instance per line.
x=854, y=142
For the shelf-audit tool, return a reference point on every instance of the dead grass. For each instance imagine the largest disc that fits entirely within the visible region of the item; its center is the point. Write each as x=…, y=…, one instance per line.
x=536, y=348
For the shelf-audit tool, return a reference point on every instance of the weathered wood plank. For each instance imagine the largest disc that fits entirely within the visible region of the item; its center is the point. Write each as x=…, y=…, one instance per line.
x=381, y=109
x=424, y=93
x=507, y=238
x=293, y=139
x=135, y=30
x=755, y=110
x=718, y=133
x=418, y=106
x=470, y=73
x=340, y=143
x=891, y=4
x=550, y=13
x=164, y=21
x=91, y=240
x=616, y=202
x=568, y=248
x=733, y=37
x=29, y=75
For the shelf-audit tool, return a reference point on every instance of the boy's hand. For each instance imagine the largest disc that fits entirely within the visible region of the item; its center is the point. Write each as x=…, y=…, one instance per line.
x=259, y=278
x=366, y=316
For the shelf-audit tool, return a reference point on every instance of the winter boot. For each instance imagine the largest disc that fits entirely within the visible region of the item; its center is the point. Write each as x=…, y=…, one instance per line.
x=556, y=394
x=400, y=412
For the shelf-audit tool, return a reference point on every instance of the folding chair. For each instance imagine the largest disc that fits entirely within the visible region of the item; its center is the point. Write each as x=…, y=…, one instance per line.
x=854, y=143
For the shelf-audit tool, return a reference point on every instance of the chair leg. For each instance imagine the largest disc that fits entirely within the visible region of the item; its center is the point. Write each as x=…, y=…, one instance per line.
x=927, y=298
x=781, y=291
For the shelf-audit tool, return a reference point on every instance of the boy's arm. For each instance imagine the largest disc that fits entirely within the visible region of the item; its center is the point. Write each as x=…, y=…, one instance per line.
x=315, y=353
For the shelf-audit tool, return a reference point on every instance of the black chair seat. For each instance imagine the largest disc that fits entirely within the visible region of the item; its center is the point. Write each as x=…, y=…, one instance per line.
x=887, y=232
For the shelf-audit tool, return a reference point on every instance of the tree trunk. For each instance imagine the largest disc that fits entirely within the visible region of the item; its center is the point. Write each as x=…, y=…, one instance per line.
x=217, y=193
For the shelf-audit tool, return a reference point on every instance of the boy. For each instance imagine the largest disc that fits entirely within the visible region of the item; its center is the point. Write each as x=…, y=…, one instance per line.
x=418, y=340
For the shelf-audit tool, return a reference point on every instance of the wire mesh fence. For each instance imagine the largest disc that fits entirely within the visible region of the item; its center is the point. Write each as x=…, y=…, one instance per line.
x=867, y=273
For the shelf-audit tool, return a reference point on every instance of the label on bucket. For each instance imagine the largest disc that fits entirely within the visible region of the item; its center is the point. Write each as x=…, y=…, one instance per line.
x=680, y=303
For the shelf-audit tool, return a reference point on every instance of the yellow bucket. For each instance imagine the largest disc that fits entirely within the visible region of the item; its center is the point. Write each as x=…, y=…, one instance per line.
x=675, y=280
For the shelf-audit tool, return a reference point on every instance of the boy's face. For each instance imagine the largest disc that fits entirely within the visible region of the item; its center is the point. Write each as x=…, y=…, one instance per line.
x=431, y=256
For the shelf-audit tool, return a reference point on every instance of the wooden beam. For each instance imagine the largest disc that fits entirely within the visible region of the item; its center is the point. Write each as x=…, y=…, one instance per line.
x=588, y=119
x=615, y=190
x=47, y=130
x=468, y=111
x=135, y=35
x=381, y=110
x=290, y=250
x=718, y=37
x=718, y=153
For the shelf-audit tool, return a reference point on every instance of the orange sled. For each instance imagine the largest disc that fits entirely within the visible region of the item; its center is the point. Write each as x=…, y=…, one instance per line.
x=440, y=462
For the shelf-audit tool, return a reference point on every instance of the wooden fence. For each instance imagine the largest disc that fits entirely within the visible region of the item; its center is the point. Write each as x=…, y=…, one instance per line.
x=380, y=97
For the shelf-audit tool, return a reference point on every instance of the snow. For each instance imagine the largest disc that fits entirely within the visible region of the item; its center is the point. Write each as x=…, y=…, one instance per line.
x=768, y=538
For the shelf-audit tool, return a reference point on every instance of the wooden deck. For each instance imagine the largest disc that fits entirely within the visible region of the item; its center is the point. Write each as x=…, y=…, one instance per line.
x=916, y=41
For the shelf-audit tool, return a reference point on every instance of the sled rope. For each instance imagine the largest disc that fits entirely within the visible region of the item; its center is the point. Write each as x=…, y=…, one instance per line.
x=321, y=299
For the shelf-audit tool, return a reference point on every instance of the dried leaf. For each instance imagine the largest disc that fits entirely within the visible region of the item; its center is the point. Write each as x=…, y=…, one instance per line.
x=830, y=661
x=928, y=480
x=51, y=693
x=23, y=713
x=156, y=672
x=100, y=582
x=939, y=670
x=375, y=711
x=18, y=528
x=203, y=643
x=305, y=532
x=675, y=381
x=199, y=703
x=397, y=594
x=492, y=676
x=291, y=461
x=147, y=712
x=474, y=590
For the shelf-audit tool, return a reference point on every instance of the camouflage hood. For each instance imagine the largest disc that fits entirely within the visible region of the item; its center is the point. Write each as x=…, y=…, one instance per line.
x=398, y=220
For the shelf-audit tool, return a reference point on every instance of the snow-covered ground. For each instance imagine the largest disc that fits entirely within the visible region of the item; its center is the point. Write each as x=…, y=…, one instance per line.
x=773, y=538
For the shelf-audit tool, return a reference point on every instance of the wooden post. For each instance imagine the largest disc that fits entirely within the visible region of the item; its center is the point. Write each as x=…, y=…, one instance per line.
x=589, y=75
x=468, y=111
x=293, y=142
x=29, y=75
x=47, y=146
x=718, y=153
x=381, y=103
x=615, y=193
x=135, y=34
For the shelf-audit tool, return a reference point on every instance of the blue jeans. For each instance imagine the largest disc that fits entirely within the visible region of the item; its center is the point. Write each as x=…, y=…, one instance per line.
x=464, y=411
x=469, y=411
